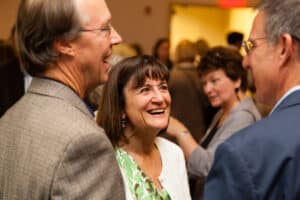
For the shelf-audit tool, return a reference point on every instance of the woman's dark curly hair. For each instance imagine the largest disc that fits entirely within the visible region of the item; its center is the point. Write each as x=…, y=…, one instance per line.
x=226, y=59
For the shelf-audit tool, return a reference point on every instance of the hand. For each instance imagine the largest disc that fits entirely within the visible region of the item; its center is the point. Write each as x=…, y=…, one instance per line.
x=175, y=127
x=184, y=138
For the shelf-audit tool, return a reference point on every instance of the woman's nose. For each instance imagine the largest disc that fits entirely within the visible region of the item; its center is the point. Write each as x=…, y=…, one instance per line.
x=157, y=96
x=246, y=61
x=207, y=88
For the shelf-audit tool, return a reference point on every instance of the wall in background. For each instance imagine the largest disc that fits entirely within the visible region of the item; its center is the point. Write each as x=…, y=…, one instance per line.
x=140, y=21
x=241, y=19
x=8, y=10
x=195, y=22
x=144, y=21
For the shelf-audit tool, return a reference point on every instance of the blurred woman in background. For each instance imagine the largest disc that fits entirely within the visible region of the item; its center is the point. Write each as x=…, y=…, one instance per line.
x=225, y=83
x=161, y=51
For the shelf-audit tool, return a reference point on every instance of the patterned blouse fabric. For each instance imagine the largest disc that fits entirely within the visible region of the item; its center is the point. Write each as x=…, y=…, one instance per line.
x=141, y=186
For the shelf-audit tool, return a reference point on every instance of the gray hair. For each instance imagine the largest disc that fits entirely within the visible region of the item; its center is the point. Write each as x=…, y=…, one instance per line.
x=39, y=23
x=282, y=16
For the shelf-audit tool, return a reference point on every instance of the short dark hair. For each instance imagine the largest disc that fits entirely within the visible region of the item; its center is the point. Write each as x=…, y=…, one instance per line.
x=39, y=24
x=112, y=102
x=226, y=59
x=235, y=38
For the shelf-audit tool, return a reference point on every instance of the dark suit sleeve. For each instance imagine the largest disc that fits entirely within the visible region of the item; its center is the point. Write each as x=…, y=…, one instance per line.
x=88, y=170
x=229, y=177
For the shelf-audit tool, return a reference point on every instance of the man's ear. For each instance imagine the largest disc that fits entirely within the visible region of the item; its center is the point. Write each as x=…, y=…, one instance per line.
x=63, y=47
x=287, y=48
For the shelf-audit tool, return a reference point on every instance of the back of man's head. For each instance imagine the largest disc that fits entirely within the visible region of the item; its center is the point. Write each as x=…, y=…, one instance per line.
x=185, y=51
x=39, y=24
x=235, y=39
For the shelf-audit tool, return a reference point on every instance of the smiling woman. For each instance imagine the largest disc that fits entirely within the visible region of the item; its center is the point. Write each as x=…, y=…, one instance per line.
x=134, y=109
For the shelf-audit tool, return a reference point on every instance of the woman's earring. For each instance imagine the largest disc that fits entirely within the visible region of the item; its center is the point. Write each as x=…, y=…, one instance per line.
x=123, y=121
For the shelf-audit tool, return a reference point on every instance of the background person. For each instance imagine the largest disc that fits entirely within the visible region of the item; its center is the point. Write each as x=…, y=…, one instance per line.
x=161, y=51
x=263, y=160
x=202, y=47
x=134, y=109
x=11, y=76
x=189, y=104
x=50, y=145
x=234, y=40
x=224, y=83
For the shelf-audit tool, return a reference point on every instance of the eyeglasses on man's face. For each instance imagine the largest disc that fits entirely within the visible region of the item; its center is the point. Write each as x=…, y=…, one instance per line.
x=106, y=30
x=249, y=44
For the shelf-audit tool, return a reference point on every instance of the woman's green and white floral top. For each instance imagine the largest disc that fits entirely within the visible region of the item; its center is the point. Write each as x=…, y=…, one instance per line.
x=140, y=185
x=173, y=177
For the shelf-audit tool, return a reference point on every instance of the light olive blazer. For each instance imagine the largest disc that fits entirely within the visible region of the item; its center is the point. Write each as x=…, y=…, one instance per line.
x=51, y=148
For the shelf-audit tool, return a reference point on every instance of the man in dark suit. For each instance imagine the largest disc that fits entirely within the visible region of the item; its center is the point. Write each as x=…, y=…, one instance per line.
x=263, y=160
x=50, y=146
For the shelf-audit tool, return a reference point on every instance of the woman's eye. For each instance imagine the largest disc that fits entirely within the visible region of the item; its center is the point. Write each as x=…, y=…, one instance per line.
x=215, y=80
x=164, y=87
x=144, y=89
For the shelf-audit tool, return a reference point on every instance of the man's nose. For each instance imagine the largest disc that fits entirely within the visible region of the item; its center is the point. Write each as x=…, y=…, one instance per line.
x=115, y=37
x=246, y=61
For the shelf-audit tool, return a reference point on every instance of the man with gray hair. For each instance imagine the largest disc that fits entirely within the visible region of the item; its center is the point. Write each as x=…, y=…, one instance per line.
x=263, y=160
x=50, y=146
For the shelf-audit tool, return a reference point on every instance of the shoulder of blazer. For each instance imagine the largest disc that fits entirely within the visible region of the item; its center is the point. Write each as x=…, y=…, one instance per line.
x=54, y=89
x=292, y=99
